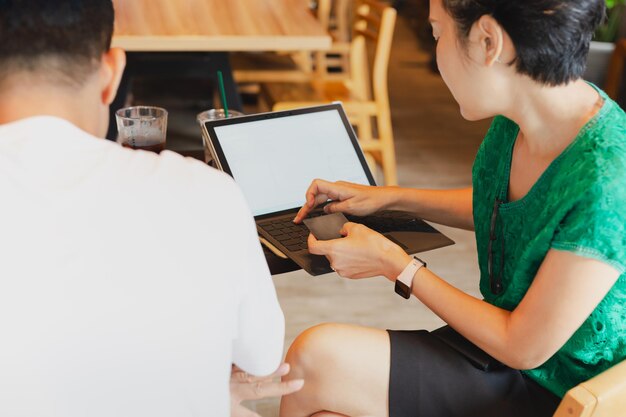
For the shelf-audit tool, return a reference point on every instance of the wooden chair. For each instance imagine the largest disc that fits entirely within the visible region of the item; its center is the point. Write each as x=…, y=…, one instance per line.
x=601, y=396
x=364, y=97
x=260, y=67
x=337, y=17
x=615, y=73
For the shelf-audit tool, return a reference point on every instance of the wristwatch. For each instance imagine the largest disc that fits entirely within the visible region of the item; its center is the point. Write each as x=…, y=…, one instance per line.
x=404, y=281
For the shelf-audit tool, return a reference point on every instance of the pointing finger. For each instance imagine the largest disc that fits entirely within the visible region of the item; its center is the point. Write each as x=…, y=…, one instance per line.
x=260, y=390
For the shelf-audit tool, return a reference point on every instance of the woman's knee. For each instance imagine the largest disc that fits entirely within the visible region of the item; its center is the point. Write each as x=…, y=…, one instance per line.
x=315, y=350
x=334, y=359
x=309, y=357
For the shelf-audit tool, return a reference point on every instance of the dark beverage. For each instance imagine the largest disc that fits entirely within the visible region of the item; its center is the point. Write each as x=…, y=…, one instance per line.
x=142, y=127
x=145, y=145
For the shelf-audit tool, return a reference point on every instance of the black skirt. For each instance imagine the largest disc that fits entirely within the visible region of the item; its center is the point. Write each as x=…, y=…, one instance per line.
x=429, y=378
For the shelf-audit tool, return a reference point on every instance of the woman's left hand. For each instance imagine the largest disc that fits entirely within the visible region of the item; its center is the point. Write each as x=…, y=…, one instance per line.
x=362, y=253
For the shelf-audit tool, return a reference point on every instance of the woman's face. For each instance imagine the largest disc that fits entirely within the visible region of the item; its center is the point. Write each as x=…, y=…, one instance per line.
x=471, y=82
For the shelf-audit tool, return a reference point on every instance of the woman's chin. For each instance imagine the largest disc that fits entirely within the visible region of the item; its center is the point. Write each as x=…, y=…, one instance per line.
x=472, y=116
x=467, y=114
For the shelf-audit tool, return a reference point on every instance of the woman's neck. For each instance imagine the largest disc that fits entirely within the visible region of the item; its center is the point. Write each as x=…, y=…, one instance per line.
x=550, y=117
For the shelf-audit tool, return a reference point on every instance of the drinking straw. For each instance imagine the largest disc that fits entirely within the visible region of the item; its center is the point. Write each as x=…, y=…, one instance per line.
x=220, y=80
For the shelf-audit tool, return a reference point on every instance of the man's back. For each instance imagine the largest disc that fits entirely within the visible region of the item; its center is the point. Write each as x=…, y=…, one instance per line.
x=128, y=283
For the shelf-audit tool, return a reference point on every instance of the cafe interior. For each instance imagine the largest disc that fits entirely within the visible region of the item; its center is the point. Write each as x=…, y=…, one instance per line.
x=205, y=60
x=375, y=57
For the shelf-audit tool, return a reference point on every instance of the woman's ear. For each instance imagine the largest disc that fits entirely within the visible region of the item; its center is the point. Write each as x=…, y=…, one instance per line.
x=490, y=38
x=111, y=71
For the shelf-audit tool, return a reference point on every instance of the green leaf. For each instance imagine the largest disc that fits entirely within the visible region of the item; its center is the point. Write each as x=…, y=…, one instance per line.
x=612, y=3
x=607, y=31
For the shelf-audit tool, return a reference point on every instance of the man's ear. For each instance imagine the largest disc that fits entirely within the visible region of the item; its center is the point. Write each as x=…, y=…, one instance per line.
x=112, y=69
x=490, y=38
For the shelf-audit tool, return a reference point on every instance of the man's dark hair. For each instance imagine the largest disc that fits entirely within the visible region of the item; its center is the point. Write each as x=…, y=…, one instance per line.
x=61, y=39
x=551, y=37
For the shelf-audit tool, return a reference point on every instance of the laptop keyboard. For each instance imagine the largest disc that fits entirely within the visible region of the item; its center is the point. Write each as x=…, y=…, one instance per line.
x=294, y=236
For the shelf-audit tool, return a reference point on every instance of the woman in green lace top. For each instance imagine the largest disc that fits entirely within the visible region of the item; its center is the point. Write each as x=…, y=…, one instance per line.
x=548, y=206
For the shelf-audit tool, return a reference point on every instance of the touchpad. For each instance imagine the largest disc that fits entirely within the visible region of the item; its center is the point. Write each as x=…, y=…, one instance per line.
x=326, y=227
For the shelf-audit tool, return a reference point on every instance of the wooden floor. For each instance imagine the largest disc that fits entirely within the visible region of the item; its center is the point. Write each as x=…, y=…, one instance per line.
x=435, y=149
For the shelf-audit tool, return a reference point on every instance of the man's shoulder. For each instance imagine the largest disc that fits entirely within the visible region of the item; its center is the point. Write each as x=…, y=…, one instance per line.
x=63, y=150
x=177, y=168
x=172, y=176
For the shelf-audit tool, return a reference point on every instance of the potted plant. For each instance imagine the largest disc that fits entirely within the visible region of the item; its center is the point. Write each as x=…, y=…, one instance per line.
x=603, y=42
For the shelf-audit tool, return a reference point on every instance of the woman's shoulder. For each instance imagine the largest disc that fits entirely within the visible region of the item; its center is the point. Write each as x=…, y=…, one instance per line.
x=591, y=178
x=611, y=116
x=607, y=132
x=598, y=156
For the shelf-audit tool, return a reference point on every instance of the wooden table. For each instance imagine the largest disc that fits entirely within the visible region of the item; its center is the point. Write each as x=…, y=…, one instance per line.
x=193, y=37
x=217, y=25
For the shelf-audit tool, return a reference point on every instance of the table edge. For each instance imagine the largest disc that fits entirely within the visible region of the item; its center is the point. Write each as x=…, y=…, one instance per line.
x=221, y=43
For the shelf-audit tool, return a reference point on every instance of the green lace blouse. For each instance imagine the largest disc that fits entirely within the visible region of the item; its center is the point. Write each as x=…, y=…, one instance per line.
x=577, y=205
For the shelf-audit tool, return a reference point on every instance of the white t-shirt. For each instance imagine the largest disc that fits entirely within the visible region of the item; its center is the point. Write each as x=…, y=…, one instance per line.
x=129, y=281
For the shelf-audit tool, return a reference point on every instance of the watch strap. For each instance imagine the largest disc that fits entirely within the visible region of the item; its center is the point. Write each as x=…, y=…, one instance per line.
x=404, y=281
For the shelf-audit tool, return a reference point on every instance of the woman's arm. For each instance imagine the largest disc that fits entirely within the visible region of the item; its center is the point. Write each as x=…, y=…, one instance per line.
x=565, y=291
x=447, y=207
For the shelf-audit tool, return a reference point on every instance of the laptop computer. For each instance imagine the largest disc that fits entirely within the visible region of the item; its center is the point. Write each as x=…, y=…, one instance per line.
x=275, y=156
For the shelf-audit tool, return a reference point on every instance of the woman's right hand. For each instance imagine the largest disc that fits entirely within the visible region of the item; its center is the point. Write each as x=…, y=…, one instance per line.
x=356, y=199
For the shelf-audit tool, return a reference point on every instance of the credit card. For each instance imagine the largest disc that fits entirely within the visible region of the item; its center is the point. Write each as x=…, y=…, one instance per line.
x=326, y=227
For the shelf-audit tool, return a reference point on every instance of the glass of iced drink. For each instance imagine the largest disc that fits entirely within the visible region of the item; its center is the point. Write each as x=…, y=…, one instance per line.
x=142, y=127
x=205, y=116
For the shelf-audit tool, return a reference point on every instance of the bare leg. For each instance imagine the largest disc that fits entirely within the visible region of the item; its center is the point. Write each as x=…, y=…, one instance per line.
x=345, y=370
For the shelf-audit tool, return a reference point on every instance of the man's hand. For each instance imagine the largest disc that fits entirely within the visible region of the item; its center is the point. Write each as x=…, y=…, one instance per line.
x=247, y=387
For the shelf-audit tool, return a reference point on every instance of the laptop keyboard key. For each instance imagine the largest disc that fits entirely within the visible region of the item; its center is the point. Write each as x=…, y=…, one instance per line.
x=292, y=236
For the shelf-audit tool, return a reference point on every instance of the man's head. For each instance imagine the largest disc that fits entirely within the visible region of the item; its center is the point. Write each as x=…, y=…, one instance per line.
x=60, y=48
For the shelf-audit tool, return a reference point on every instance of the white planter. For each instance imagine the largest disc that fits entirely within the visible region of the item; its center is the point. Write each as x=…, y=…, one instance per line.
x=598, y=62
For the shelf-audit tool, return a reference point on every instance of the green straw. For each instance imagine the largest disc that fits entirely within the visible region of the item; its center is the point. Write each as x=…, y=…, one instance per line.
x=220, y=80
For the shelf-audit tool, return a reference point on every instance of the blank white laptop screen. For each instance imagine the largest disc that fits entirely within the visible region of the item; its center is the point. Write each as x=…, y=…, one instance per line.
x=275, y=160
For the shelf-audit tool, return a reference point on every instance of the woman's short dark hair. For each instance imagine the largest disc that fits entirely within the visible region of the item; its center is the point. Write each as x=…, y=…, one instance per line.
x=64, y=39
x=551, y=37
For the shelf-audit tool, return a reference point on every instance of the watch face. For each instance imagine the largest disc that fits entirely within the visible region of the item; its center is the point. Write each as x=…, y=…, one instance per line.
x=402, y=289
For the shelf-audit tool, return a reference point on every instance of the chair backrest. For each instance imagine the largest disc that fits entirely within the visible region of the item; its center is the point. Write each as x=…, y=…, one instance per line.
x=601, y=396
x=335, y=16
x=342, y=13
x=324, y=8
x=374, y=22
